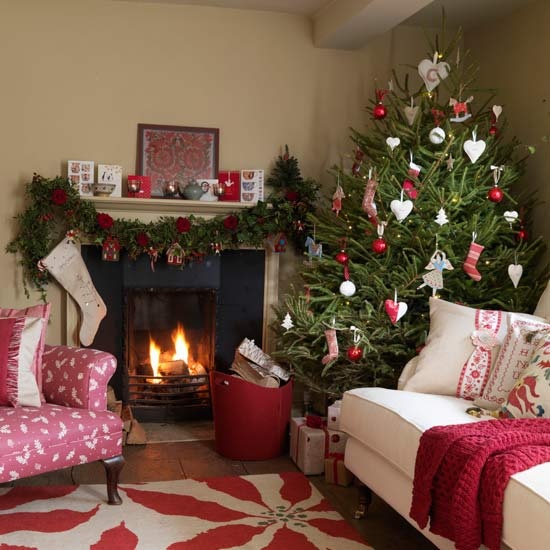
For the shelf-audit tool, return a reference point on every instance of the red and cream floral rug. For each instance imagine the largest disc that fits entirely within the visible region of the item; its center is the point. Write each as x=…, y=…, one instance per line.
x=273, y=511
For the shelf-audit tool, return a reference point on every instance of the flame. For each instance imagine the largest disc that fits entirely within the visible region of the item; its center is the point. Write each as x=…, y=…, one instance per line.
x=154, y=359
x=180, y=345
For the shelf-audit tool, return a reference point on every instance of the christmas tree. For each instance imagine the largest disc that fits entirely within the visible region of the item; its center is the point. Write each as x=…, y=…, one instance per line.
x=429, y=208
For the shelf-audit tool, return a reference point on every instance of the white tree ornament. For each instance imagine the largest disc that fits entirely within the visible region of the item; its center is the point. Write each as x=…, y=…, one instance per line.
x=441, y=218
x=287, y=322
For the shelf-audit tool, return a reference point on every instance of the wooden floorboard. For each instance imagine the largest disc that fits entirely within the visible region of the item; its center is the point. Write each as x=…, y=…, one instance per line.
x=384, y=529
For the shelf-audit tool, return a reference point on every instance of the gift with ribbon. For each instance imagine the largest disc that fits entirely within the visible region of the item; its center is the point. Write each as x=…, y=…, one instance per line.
x=311, y=442
x=336, y=471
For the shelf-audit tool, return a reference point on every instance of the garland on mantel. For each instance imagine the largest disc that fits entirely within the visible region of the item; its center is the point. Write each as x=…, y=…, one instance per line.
x=55, y=207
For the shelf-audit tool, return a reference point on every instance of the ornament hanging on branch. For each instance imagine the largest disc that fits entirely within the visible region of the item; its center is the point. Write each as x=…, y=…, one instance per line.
x=379, y=245
x=473, y=148
x=395, y=309
x=410, y=112
x=522, y=234
x=433, y=71
x=515, y=271
x=441, y=218
x=287, y=322
x=393, y=142
x=314, y=250
x=332, y=344
x=400, y=208
x=437, y=135
x=472, y=258
x=414, y=169
x=110, y=250
x=358, y=160
x=460, y=109
x=175, y=255
x=368, y=204
x=434, y=279
x=510, y=216
x=355, y=353
x=347, y=288
x=379, y=111
x=410, y=189
x=495, y=194
x=497, y=111
x=337, y=198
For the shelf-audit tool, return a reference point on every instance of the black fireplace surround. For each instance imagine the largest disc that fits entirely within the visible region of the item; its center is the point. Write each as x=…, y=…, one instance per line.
x=235, y=276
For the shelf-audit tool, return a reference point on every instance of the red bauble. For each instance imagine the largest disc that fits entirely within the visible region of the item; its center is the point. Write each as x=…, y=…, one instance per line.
x=354, y=353
x=493, y=131
x=522, y=234
x=379, y=245
x=495, y=194
x=342, y=257
x=379, y=111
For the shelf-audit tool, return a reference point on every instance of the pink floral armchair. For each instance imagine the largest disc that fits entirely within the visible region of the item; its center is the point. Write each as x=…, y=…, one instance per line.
x=72, y=427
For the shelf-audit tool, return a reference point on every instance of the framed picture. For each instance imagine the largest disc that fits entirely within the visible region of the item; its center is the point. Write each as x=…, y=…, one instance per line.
x=178, y=154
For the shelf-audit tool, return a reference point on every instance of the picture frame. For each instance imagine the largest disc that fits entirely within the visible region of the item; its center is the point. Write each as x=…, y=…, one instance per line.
x=176, y=155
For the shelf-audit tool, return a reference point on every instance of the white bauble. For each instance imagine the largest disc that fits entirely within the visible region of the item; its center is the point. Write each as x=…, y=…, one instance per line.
x=347, y=288
x=437, y=135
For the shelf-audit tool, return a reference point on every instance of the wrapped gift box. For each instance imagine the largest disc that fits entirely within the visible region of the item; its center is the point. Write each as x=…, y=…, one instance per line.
x=333, y=415
x=336, y=472
x=230, y=181
x=310, y=445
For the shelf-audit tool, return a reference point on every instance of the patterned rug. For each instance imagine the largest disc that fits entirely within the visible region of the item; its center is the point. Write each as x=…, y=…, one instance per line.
x=272, y=511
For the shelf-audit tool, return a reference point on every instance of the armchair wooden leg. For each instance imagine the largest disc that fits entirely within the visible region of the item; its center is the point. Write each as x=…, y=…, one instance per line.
x=365, y=498
x=113, y=466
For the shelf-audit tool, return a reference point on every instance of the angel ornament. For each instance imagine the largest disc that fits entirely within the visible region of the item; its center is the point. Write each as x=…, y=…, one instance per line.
x=434, y=278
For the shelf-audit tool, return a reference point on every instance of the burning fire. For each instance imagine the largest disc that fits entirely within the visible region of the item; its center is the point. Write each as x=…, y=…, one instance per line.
x=157, y=358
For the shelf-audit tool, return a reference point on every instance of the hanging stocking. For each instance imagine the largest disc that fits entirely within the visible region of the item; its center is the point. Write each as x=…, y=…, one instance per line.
x=472, y=258
x=65, y=263
x=332, y=343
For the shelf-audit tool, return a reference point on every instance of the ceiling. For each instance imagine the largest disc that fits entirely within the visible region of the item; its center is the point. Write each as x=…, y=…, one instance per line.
x=349, y=24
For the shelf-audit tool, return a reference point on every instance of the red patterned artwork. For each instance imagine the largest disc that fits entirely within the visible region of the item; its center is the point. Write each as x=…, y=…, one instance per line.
x=176, y=154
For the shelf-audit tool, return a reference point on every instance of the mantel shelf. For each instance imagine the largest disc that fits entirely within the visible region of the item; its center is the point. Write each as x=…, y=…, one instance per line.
x=147, y=210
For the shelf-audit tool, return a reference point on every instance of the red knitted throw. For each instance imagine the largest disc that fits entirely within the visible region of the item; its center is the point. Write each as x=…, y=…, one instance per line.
x=461, y=473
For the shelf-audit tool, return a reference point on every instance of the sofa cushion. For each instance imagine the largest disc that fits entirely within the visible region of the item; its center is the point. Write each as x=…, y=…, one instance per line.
x=461, y=348
x=370, y=414
x=530, y=396
x=20, y=338
x=514, y=356
x=36, y=440
x=40, y=311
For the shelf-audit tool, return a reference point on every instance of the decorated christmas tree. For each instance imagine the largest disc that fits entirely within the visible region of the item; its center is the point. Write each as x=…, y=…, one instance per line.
x=429, y=208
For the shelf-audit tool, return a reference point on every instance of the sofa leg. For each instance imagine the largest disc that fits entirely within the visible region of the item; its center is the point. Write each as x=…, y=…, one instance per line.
x=113, y=466
x=365, y=498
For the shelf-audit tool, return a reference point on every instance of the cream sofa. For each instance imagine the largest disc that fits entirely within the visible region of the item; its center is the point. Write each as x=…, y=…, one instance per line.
x=384, y=428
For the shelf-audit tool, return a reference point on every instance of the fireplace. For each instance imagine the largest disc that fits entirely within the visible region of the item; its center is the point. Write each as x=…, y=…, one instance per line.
x=214, y=303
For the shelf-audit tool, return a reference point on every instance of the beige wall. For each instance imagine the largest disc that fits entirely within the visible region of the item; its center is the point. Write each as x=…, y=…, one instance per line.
x=514, y=57
x=77, y=77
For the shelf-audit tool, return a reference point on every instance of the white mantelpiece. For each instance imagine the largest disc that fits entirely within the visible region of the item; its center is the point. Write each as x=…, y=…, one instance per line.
x=149, y=210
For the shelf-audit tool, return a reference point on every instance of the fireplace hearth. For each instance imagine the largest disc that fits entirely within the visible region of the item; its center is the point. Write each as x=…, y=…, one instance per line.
x=216, y=303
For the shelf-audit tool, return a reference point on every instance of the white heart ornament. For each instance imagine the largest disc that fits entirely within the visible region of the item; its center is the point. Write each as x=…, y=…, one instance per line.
x=395, y=310
x=515, y=271
x=510, y=216
x=410, y=114
x=433, y=73
x=497, y=110
x=401, y=209
x=474, y=149
x=393, y=142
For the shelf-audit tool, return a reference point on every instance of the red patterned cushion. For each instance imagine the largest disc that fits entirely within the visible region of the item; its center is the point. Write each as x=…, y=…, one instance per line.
x=19, y=338
x=42, y=311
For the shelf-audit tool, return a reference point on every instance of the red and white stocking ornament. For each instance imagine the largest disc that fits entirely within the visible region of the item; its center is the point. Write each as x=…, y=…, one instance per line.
x=410, y=112
x=337, y=198
x=368, y=204
x=471, y=260
x=332, y=343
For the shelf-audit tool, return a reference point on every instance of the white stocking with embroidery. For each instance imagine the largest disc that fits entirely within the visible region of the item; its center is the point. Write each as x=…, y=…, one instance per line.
x=65, y=263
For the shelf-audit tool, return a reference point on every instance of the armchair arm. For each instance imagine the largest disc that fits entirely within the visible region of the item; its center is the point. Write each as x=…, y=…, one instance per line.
x=77, y=377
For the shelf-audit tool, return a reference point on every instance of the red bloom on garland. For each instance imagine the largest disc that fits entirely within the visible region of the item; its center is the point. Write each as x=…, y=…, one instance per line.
x=142, y=239
x=231, y=222
x=183, y=225
x=59, y=197
x=104, y=221
x=292, y=196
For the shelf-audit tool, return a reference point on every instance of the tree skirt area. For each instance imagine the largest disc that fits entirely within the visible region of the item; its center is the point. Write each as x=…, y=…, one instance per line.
x=189, y=430
x=272, y=511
